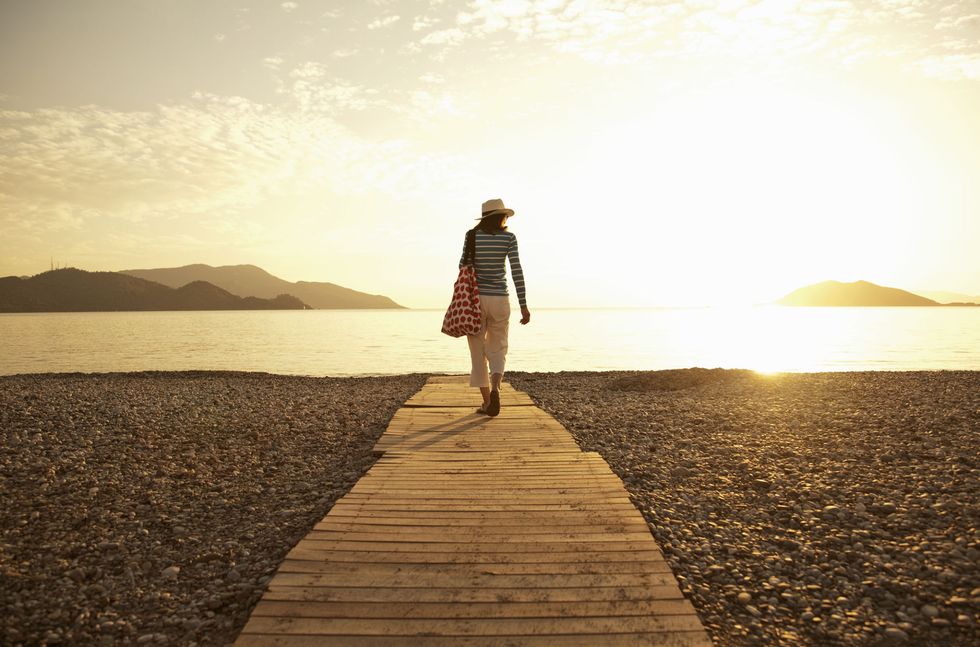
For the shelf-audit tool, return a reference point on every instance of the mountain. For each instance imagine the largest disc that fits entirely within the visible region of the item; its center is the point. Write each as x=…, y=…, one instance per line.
x=859, y=293
x=948, y=297
x=249, y=280
x=72, y=290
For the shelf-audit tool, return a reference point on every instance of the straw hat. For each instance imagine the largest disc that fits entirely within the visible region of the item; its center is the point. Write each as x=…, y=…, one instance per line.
x=495, y=207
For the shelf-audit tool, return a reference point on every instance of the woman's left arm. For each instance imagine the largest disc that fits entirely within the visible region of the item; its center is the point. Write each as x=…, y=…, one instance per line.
x=514, y=258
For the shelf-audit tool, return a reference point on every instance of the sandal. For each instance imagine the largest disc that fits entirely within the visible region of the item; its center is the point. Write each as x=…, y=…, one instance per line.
x=482, y=411
x=494, y=407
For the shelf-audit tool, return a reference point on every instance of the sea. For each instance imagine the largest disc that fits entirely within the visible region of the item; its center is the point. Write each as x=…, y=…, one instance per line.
x=769, y=339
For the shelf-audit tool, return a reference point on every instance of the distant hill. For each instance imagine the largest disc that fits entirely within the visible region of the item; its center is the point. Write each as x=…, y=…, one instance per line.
x=73, y=290
x=249, y=280
x=949, y=297
x=859, y=293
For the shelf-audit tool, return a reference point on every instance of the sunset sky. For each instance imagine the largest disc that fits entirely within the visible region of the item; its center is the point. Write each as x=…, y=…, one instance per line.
x=656, y=153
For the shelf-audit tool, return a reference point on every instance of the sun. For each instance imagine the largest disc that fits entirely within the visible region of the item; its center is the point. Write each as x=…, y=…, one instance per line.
x=780, y=186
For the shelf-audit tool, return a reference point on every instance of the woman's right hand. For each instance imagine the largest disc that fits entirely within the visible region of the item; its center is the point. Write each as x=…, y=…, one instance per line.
x=525, y=315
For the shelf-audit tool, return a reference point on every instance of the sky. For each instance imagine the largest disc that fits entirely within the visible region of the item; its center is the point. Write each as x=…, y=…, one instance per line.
x=655, y=153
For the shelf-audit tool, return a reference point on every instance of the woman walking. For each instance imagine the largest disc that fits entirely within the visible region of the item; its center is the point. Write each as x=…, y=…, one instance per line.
x=493, y=243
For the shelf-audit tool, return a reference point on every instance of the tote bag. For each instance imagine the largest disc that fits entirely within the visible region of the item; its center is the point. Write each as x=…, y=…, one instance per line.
x=463, y=315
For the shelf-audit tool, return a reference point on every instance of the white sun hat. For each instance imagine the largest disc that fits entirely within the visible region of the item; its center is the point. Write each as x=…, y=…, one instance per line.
x=493, y=207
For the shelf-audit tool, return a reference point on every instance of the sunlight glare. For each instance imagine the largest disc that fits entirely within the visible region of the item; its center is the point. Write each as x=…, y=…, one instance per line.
x=755, y=178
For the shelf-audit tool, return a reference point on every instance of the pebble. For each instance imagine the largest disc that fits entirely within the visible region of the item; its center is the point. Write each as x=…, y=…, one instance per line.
x=894, y=633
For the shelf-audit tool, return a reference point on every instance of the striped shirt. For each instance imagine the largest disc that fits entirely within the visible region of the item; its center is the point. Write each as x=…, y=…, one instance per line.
x=491, y=277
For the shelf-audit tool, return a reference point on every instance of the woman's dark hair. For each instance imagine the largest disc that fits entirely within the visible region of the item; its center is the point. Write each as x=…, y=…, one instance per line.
x=492, y=224
x=469, y=248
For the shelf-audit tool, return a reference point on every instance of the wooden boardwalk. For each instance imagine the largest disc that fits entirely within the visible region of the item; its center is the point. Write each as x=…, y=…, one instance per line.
x=477, y=531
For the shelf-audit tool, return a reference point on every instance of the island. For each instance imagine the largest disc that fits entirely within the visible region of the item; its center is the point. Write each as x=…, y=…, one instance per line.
x=75, y=290
x=250, y=280
x=858, y=293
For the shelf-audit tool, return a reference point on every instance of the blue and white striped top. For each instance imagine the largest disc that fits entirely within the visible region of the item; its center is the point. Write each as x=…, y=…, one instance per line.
x=491, y=277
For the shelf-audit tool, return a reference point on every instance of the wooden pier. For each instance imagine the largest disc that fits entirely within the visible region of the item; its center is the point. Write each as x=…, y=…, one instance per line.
x=472, y=530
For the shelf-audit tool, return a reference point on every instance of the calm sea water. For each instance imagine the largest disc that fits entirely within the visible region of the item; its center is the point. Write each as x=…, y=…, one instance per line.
x=366, y=342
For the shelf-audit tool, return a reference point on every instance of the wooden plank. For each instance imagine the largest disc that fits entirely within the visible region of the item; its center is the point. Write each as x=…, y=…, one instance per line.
x=443, y=487
x=468, y=594
x=503, y=491
x=477, y=477
x=463, y=517
x=396, y=524
x=475, y=536
x=383, y=472
x=355, y=498
x=471, y=627
x=336, y=556
x=509, y=459
x=671, y=639
x=440, y=580
x=381, y=506
x=320, y=565
x=463, y=489
x=476, y=547
x=482, y=507
x=313, y=609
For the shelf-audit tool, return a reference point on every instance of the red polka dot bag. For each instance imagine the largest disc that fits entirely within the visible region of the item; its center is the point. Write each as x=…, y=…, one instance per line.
x=463, y=315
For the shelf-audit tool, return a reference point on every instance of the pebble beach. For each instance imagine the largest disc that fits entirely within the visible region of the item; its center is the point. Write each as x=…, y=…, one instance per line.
x=152, y=508
x=797, y=509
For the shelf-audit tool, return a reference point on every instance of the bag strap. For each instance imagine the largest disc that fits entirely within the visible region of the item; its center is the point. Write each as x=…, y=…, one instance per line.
x=469, y=249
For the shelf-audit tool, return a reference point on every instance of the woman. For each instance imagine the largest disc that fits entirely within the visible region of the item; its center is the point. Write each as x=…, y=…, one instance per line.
x=493, y=244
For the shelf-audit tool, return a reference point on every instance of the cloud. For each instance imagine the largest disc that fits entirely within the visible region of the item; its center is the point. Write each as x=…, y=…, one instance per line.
x=427, y=104
x=971, y=21
x=423, y=22
x=451, y=36
x=289, y=6
x=204, y=160
x=272, y=62
x=766, y=31
x=952, y=67
x=383, y=22
x=311, y=89
x=220, y=38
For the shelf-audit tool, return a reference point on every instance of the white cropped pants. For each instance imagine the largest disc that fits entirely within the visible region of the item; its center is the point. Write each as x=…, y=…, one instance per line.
x=490, y=345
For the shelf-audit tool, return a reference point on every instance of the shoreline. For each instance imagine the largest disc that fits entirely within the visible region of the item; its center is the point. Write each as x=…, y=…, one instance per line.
x=795, y=508
x=206, y=372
